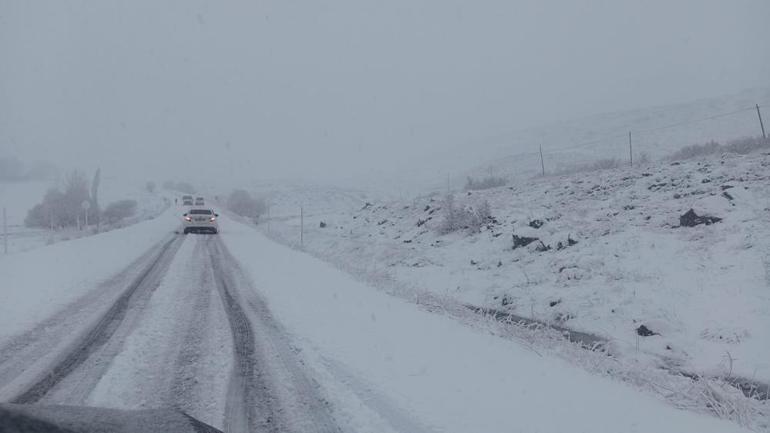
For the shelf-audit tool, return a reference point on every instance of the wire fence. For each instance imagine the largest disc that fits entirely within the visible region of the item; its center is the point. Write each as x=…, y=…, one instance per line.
x=633, y=140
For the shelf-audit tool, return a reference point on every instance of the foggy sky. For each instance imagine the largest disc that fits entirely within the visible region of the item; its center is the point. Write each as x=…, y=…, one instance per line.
x=338, y=89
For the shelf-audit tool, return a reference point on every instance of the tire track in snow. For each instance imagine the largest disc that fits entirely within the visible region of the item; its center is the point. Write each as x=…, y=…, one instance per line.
x=23, y=357
x=269, y=390
x=198, y=365
x=101, y=334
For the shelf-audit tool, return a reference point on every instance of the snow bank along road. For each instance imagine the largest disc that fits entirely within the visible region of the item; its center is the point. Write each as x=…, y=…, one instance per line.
x=247, y=335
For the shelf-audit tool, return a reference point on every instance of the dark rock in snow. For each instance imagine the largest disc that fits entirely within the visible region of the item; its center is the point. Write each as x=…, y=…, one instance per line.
x=554, y=303
x=322, y=225
x=542, y=247
x=644, y=331
x=522, y=241
x=691, y=219
x=536, y=224
x=727, y=195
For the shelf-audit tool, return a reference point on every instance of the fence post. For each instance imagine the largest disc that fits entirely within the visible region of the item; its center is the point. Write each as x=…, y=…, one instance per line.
x=761, y=125
x=542, y=164
x=630, y=150
x=5, y=232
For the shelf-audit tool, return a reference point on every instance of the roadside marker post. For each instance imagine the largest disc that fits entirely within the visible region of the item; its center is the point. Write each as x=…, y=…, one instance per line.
x=5, y=231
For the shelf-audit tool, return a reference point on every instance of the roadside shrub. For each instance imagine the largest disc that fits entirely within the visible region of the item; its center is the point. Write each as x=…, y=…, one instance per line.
x=488, y=182
x=45, y=214
x=740, y=146
x=602, y=164
x=467, y=218
x=63, y=209
x=746, y=145
x=242, y=203
x=695, y=150
x=119, y=210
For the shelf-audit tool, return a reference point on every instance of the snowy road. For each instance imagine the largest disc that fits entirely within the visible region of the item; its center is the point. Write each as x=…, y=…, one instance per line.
x=171, y=352
x=247, y=335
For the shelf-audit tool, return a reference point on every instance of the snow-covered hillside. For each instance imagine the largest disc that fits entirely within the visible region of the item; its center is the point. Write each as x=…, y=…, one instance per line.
x=610, y=257
x=657, y=131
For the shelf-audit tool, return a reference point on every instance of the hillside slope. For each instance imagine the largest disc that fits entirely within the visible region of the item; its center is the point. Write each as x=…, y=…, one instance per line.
x=611, y=256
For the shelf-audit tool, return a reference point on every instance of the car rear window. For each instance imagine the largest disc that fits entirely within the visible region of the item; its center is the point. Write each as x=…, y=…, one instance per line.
x=200, y=212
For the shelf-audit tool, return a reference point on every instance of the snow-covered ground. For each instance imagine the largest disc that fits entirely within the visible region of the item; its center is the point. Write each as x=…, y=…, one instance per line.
x=390, y=366
x=36, y=284
x=704, y=291
x=381, y=363
x=19, y=197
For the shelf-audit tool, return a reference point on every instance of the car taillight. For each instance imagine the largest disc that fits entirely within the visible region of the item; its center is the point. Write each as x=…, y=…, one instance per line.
x=188, y=219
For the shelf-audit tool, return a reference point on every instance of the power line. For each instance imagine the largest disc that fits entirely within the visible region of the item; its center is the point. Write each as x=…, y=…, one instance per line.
x=687, y=122
x=673, y=125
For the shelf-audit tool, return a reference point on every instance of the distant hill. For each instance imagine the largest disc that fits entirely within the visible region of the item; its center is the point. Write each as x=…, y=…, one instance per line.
x=656, y=132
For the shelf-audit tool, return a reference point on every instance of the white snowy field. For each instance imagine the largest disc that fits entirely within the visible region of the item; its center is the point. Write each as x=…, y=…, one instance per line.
x=704, y=291
x=19, y=197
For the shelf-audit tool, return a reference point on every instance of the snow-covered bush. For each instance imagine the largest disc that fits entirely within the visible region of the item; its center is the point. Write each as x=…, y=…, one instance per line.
x=602, y=164
x=740, y=146
x=695, y=150
x=63, y=209
x=242, y=203
x=118, y=210
x=463, y=217
x=746, y=145
x=486, y=183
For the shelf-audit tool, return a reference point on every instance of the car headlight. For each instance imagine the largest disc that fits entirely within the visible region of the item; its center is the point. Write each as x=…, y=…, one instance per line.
x=187, y=219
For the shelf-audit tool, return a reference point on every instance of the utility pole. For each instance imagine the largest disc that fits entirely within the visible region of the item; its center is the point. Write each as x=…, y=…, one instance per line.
x=5, y=232
x=761, y=125
x=630, y=150
x=542, y=164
